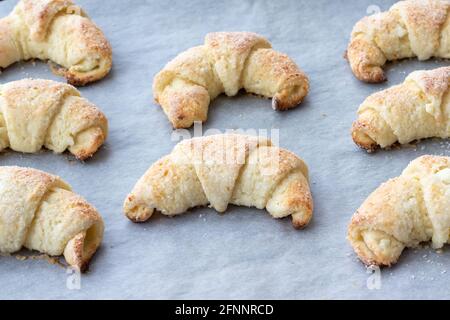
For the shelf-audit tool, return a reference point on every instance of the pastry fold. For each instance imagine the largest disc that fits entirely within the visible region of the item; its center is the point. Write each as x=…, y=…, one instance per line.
x=403, y=212
x=59, y=31
x=412, y=28
x=418, y=108
x=44, y=113
x=226, y=63
x=219, y=170
x=39, y=211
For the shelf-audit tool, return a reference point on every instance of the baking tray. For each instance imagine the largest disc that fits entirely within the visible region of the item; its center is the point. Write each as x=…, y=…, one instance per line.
x=243, y=253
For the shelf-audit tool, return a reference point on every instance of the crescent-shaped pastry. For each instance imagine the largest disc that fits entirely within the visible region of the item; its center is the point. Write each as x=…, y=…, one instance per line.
x=44, y=113
x=404, y=212
x=418, y=108
x=59, y=31
x=39, y=211
x=224, y=169
x=413, y=28
x=226, y=63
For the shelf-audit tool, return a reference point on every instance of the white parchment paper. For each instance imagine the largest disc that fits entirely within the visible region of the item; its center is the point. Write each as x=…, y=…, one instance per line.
x=243, y=253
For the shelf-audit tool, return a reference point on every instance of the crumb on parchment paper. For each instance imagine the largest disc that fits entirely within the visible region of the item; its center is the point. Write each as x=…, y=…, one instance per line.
x=46, y=257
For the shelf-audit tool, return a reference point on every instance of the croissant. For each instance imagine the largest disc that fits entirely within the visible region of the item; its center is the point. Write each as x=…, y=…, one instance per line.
x=414, y=28
x=39, y=211
x=227, y=62
x=36, y=113
x=403, y=212
x=224, y=169
x=58, y=31
x=415, y=109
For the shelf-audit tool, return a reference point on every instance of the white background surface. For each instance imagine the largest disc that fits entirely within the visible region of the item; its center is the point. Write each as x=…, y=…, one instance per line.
x=243, y=253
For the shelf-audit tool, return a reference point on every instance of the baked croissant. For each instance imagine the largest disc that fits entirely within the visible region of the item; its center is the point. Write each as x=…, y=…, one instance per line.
x=58, y=31
x=413, y=28
x=37, y=113
x=39, y=211
x=224, y=169
x=416, y=109
x=226, y=63
x=403, y=212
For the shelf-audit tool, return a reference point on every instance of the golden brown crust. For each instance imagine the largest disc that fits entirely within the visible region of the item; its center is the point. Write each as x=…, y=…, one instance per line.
x=433, y=82
x=404, y=212
x=360, y=137
x=364, y=60
x=136, y=212
x=97, y=45
x=413, y=28
x=61, y=119
x=298, y=197
x=40, y=212
x=224, y=169
x=413, y=110
x=183, y=106
x=39, y=14
x=59, y=31
x=81, y=248
x=227, y=62
x=378, y=206
x=74, y=252
x=292, y=84
x=83, y=150
x=241, y=42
